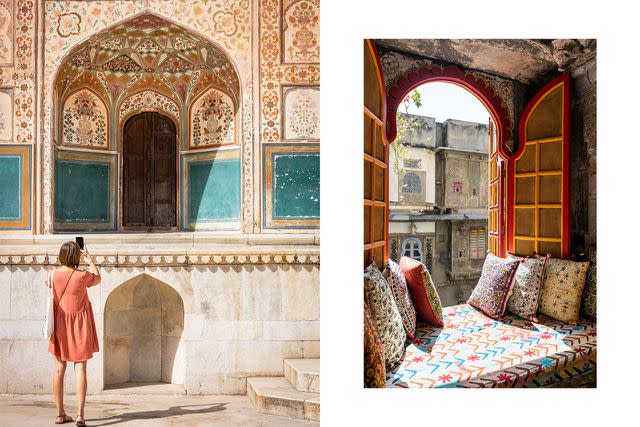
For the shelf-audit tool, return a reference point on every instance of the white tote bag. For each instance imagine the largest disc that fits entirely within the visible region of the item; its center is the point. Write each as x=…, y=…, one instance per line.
x=47, y=329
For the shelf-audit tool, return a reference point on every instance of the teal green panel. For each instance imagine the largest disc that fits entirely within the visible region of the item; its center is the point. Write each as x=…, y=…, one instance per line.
x=296, y=186
x=82, y=191
x=10, y=188
x=214, y=190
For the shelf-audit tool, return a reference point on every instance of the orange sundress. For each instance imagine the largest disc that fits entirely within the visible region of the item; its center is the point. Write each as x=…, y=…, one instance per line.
x=74, y=338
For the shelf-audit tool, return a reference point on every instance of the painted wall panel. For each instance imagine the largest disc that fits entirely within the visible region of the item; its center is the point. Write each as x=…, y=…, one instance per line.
x=10, y=187
x=296, y=186
x=82, y=191
x=214, y=190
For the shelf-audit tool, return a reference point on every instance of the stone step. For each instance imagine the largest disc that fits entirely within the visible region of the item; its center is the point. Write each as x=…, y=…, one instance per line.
x=276, y=396
x=303, y=374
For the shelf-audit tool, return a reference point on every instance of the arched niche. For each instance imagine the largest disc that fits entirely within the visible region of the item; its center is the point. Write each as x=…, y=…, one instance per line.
x=143, y=333
x=145, y=63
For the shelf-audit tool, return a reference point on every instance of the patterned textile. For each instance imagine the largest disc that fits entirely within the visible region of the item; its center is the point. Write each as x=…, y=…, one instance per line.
x=525, y=293
x=386, y=317
x=423, y=292
x=473, y=350
x=491, y=293
x=589, y=299
x=562, y=289
x=374, y=369
x=398, y=284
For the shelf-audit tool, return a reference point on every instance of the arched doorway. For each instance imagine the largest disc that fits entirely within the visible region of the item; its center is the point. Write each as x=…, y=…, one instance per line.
x=143, y=343
x=149, y=173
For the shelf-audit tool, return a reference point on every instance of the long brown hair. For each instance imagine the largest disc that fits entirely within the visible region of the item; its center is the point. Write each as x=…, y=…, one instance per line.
x=69, y=254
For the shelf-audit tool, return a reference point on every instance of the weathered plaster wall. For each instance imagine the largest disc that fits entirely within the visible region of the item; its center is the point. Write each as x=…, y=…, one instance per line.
x=464, y=135
x=419, y=161
x=464, y=181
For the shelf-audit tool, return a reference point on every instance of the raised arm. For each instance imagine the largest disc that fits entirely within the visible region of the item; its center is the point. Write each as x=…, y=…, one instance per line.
x=92, y=267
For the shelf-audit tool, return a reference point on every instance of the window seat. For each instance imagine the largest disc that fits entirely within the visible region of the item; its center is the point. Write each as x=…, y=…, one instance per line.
x=475, y=351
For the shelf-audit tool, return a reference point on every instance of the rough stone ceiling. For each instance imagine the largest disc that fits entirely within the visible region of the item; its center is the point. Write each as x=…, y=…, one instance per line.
x=526, y=60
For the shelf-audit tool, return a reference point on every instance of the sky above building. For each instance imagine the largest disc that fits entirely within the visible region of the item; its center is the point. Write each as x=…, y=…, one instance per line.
x=448, y=101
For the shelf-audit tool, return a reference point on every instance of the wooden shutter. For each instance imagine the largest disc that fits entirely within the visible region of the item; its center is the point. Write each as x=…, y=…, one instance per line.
x=476, y=243
x=376, y=160
x=538, y=205
x=496, y=196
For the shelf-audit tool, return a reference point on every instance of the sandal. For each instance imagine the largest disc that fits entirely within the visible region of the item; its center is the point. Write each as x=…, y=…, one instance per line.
x=80, y=423
x=61, y=419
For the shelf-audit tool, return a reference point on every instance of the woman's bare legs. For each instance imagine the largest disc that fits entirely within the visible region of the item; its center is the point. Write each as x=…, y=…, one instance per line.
x=81, y=387
x=59, y=368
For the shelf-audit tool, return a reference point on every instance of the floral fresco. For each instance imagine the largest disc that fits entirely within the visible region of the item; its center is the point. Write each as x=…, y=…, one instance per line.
x=212, y=120
x=148, y=100
x=6, y=117
x=84, y=120
x=300, y=31
x=302, y=113
x=6, y=31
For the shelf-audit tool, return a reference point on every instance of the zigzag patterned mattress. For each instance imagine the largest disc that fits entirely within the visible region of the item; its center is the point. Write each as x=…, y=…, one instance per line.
x=473, y=350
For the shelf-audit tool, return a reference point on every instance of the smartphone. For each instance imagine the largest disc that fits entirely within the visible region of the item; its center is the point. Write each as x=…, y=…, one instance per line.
x=80, y=242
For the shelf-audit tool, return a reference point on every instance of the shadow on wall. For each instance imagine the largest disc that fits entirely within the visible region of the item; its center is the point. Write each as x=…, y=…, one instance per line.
x=144, y=321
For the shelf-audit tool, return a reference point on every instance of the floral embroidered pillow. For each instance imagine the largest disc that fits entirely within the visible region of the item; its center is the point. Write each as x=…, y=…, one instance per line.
x=385, y=315
x=525, y=293
x=589, y=295
x=562, y=289
x=423, y=292
x=374, y=369
x=492, y=291
x=398, y=283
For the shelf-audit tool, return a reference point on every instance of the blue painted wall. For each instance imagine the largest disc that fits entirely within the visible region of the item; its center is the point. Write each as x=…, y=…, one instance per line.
x=214, y=190
x=296, y=186
x=10, y=187
x=81, y=191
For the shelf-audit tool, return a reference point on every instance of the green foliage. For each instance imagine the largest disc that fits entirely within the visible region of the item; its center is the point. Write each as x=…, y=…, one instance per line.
x=406, y=127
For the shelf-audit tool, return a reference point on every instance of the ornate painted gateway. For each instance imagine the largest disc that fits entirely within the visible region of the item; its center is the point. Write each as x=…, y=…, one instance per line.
x=181, y=139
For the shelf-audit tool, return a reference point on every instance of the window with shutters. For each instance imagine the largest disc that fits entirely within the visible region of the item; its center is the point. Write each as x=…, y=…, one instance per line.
x=412, y=248
x=477, y=243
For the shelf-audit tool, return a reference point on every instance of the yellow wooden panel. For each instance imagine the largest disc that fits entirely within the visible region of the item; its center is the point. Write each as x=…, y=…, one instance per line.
x=367, y=224
x=527, y=163
x=379, y=183
x=379, y=224
x=550, y=189
x=550, y=222
x=525, y=191
x=525, y=222
x=372, y=95
x=551, y=156
x=545, y=120
x=525, y=247
x=368, y=134
x=552, y=248
x=367, y=180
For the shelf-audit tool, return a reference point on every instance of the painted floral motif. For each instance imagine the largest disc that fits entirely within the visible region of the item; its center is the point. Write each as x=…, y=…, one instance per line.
x=84, y=120
x=6, y=113
x=302, y=117
x=491, y=292
x=300, y=32
x=6, y=31
x=374, y=366
x=562, y=288
x=148, y=47
x=526, y=287
x=589, y=296
x=386, y=317
x=398, y=284
x=212, y=119
x=69, y=24
x=174, y=64
x=148, y=100
x=225, y=23
x=121, y=64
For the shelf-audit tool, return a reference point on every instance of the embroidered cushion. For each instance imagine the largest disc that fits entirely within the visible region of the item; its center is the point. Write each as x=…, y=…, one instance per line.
x=492, y=291
x=525, y=293
x=423, y=292
x=385, y=315
x=398, y=283
x=562, y=289
x=589, y=295
x=374, y=369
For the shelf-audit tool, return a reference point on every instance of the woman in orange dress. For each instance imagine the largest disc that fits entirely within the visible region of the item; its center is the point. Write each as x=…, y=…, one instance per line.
x=74, y=337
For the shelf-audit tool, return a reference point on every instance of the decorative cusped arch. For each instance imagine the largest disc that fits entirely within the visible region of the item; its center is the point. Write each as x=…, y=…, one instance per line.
x=148, y=100
x=479, y=87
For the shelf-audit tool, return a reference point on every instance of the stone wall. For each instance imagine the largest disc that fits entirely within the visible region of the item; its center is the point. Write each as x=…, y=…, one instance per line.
x=245, y=308
x=466, y=135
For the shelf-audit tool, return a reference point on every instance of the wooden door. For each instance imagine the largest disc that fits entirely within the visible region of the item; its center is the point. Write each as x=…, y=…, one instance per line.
x=538, y=203
x=376, y=160
x=149, y=173
x=496, y=196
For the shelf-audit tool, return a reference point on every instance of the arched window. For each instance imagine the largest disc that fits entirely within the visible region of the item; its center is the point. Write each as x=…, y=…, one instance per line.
x=412, y=248
x=411, y=184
